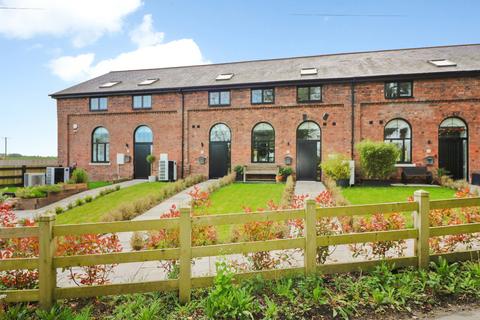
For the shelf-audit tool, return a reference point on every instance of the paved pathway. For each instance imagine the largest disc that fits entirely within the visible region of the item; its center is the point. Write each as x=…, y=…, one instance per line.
x=180, y=199
x=312, y=188
x=21, y=214
x=469, y=313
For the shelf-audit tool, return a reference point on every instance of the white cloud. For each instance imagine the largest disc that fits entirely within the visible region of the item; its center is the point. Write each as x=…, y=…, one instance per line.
x=85, y=21
x=174, y=53
x=144, y=35
x=72, y=68
x=150, y=53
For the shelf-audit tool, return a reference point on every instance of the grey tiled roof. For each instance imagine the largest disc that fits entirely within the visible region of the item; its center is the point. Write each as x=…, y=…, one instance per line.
x=334, y=66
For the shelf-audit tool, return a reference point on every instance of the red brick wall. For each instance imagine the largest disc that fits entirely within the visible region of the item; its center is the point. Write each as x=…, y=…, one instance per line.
x=433, y=101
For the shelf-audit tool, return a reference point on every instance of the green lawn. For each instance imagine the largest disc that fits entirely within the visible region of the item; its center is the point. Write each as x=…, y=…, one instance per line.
x=366, y=195
x=98, y=184
x=93, y=211
x=233, y=198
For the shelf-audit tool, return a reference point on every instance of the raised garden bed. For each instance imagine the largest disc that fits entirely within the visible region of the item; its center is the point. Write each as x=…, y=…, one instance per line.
x=66, y=191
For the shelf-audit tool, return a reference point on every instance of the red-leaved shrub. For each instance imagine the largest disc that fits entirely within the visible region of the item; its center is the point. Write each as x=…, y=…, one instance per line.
x=17, y=248
x=74, y=245
x=201, y=235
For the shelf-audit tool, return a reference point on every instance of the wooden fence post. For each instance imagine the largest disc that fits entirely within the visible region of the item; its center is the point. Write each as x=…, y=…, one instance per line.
x=421, y=223
x=47, y=276
x=185, y=274
x=310, y=255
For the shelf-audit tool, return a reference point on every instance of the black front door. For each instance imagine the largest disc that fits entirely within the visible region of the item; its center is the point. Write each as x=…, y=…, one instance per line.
x=140, y=164
x=451, y=156
x=219, y=160
x=307, y=159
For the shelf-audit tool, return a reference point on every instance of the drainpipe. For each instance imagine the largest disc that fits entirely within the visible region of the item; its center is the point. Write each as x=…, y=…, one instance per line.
x=352, y=98
x=183, y=132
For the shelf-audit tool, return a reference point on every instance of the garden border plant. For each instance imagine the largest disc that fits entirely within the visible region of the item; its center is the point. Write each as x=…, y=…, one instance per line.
x=385, y=291
x=141, y=205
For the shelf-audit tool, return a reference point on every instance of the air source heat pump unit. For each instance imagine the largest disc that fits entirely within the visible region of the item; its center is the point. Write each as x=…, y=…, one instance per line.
x=163, y=167
x=172, y=170
x=33, y=179
x=57, y=175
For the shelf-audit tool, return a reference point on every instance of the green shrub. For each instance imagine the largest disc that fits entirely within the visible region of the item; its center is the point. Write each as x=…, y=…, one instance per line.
x=285, y=171
x=37, y=192
x=79, y=176
x=238, y=169
x=70, y=206
x=377, y=159
x=88, y=199
x=336, y=167
x=59, y=210
x=226, y=300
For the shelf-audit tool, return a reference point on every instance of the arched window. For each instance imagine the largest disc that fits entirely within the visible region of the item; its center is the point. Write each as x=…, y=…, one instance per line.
x=399, y=132
x=220, y=133
x=143, y=134
x=100, y=145
x=453, y=128
x=263, y=143
x=308, y=130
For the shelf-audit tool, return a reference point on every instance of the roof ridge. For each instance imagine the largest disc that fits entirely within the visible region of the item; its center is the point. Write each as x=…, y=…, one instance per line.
x=300, y=57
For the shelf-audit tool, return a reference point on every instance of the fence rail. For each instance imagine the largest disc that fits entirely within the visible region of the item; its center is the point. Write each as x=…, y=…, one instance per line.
x=47, y=262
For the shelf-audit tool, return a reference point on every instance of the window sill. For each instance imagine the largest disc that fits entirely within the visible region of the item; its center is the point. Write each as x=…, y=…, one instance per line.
x=99, y=163
x=405, y=165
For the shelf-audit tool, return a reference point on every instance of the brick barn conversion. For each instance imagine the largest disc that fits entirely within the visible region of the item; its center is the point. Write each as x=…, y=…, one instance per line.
x=210, y=118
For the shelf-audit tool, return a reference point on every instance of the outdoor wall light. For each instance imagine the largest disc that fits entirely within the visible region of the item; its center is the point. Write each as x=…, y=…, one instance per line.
x=325, y=116
x=201, y=144
x=288, y=160
x=202, y=160
x=75, y=126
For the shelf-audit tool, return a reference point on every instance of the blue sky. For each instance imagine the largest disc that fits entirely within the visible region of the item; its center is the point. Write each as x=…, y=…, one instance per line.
x=59, y=43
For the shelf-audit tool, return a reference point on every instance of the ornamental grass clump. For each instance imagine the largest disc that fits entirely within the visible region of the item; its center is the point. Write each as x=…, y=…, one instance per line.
x=131, y=210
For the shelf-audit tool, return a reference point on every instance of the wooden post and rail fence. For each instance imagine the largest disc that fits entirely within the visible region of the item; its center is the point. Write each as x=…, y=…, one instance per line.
x=47, y=263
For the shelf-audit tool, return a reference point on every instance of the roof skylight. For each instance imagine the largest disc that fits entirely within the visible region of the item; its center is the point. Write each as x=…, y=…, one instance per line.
x=308, y=71
x=148, y=82
x=224, y=76
x=109, y=84
x=442, y=63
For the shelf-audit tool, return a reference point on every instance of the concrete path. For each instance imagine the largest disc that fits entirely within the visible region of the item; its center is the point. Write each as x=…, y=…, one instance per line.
x=312, y=188
x=180, y=199
x=150, y=270
x=22, y=214
x=469, y=313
